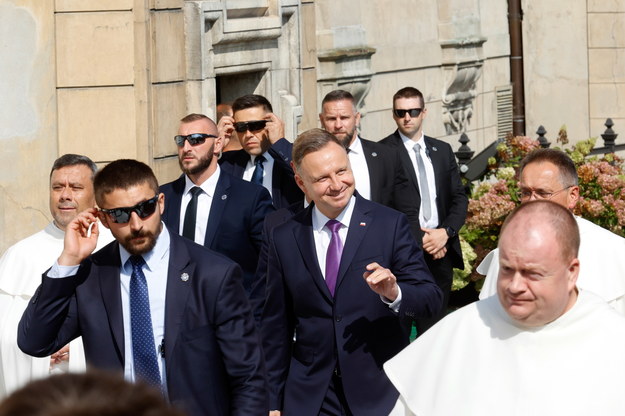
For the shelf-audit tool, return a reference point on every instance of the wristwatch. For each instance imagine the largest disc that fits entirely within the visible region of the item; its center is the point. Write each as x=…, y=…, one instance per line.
x=451, y=233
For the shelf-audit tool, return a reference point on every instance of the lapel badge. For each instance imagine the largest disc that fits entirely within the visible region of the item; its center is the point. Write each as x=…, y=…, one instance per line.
x=434, y=148
x=223, y=197
x=363, y=224
x=374, y=154
x=184, y=277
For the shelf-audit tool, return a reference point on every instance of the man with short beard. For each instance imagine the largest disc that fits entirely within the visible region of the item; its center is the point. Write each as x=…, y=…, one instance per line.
x=152, y=305
x=210, y=206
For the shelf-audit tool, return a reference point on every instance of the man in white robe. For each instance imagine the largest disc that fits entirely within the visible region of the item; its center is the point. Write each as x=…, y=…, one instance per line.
x=551, y=174
x=21, y=267
x=540, y=347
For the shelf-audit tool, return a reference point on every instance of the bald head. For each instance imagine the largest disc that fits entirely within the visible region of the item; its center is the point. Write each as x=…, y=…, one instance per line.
x=538, y=263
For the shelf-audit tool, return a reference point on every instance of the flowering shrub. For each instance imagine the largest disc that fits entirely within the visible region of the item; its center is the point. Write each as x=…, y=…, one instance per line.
x=602, y=197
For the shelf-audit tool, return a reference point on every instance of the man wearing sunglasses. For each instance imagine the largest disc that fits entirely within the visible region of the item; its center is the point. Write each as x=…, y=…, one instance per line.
x=71, y=191
x=266, y=154
x=210, y=206
x=377, y=170
x=152, y=305
x=550, y=174
x=435, y=184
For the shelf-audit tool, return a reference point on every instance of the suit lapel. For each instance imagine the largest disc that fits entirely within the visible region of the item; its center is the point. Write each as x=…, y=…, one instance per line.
x=179, y=282
x=220, y=199
x=405, y=160
x=240, y=161
x=358, y=226
x=173, y=204
x=303, y=235
x=110, y=288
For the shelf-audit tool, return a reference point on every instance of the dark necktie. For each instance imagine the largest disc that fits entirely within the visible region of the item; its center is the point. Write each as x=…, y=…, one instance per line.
x=423, y=185
x=333, y=256
x=143, y=346
x=188, y=229
x=257, y=176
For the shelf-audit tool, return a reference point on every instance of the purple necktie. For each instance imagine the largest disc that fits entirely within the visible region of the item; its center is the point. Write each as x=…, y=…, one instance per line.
x=333, y=256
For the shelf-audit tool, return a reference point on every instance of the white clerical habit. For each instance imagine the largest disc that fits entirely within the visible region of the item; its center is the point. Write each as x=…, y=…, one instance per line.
x=21, y=268
x=477, y=361
x=602, y=265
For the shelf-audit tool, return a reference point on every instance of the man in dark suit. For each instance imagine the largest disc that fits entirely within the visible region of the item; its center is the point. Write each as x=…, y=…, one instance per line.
x=153, y=305
x=227, y=213
x=349, y=305
x=378, y=172
x=266, y=154
x=441, y=199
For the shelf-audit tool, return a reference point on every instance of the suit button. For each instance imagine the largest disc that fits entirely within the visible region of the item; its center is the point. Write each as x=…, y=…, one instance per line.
x=338, y=318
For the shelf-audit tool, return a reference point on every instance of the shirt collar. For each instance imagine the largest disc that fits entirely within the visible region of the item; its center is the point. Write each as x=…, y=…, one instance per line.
x=266, y=154
x=356, y=146
x=153, y=256
x=208, y=186
x=319, y=220
x=409, y=143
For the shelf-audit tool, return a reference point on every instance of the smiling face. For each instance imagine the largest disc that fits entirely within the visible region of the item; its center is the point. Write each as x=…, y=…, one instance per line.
x=341, y=119
x=536, y=283
x=325, y=176
x=410, y=127
x=253, y=142
x=137, y=236
x=71, y=192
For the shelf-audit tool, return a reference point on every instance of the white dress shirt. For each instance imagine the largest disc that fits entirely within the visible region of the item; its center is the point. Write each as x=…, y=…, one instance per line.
x=204, y=203
x=359, y=168
x=267, y=171
x=432, y=222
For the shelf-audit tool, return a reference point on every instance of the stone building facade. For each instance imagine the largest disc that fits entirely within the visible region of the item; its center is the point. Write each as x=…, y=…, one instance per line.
x=111, y=79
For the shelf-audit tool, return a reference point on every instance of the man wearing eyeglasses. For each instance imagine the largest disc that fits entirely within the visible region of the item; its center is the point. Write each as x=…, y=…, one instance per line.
x=551, y=174
x=210, y=206
x=376, y=168
x=266, y=154
x=435, y=183
x=152, y=305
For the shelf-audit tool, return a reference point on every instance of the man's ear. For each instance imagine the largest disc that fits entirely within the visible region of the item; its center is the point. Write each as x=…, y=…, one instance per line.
x=573, y=197
x=300, y=183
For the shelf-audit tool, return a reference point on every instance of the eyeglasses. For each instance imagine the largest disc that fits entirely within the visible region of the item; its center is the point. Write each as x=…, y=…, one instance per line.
x=414, y=112
x=193, y=139
x=142, y=209
x=254, y=125
x=525, y=194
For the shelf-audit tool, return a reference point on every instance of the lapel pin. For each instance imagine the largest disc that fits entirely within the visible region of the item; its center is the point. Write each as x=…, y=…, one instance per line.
x=223, y=197
x=184, y=277
x=374, y=154
x=362, y=224
x=434, y=148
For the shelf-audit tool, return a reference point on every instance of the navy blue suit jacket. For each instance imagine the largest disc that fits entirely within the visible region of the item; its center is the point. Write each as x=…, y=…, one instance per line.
x=354, y=330
x=451, y=199
x=235, y=221
x=284, y=190
x=213, y=363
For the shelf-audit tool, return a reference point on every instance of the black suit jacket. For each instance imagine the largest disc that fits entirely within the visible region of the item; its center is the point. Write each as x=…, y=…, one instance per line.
x=451, y=199
x=388, y=182
x=235, y=221
x=284, y=190
x=212, y=358
x=354, y=330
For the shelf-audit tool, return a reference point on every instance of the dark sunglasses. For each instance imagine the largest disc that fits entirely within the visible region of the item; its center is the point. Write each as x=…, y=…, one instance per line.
x=122, y=215
x=414, y=112
x=193, y=139
x=255, y=125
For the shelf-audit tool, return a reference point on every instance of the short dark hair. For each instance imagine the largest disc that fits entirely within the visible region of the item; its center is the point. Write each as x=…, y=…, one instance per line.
x=338, y=95
x=311, y=141
x=409, y=92
x=189, y=118
x=71, y=159
x=566, y=166
x=559, y=218
x=122, y=174
x=251, y=101
x=94, y=393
